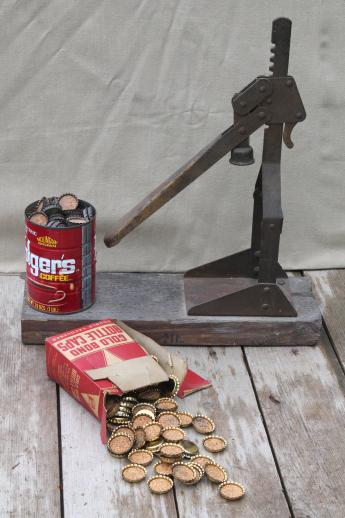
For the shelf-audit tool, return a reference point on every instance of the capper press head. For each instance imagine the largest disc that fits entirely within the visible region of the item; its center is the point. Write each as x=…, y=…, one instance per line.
x=251, y=282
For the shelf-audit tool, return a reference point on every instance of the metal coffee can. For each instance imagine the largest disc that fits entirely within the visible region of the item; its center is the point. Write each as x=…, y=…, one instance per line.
x=60, y=261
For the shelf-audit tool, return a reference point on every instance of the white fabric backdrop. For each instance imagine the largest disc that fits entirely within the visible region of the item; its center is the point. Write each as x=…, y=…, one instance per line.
x=107, y=98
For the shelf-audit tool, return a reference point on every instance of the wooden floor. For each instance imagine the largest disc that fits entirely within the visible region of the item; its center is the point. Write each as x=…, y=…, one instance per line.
x=281, y=409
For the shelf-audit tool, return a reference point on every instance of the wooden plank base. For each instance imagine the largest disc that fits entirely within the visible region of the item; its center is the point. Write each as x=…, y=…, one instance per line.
x=154, y=304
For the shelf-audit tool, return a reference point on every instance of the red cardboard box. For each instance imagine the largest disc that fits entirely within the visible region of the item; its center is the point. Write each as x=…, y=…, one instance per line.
x=103, y=357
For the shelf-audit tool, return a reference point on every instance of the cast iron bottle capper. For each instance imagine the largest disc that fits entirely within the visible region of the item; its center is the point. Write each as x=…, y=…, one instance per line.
x=250, y=282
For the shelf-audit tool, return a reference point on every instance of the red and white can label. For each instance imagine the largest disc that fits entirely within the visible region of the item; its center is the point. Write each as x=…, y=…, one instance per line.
x=60, y=267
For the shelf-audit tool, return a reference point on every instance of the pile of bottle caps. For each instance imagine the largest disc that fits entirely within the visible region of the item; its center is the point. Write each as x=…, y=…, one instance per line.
x=148, y=423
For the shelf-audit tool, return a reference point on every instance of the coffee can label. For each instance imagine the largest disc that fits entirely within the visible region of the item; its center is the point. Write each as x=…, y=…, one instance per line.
x=60, y=266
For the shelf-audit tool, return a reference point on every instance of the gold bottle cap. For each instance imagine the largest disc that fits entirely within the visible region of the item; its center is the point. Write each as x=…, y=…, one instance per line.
x=127, y=429
x=216, y=473
x=140, y=439
x=214, y=443
x=231, y=490
x=149, y=394
x=129, y=399
x=173, y=434
x=122, y=413
x=189, y=447
x=199, y=473
x=184, y=472
x=120, y=443
x=39, y=218
x=154, y=446
x=168, y=460
x=143, y=406
x=186, y=419
x=171, y=449
x=68, y=201
x=171, y=387
x=133, y=473
x=199, y=468
x=167, y=419
x=166, y=404
x=202, y=460
x=176, y=384
x=160, y=484
x=119, y=420
x=139, y=421
x=146, y=411
x=142, y=457
x=152, y=431
x=163, y=468
x=126, y=406
x=203, y=424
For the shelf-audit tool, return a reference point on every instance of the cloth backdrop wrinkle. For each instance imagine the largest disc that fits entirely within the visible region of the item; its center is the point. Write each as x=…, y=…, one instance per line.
x=107, y=98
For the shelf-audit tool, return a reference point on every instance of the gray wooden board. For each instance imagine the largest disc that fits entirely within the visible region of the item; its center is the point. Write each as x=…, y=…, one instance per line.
x=300, y=391
x=248, y=459
x=154, y=304
x=29, y=467
x=92, y=480
x=329, y=289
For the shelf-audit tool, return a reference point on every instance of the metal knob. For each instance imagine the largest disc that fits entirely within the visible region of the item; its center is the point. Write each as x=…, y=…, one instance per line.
x=242, y=154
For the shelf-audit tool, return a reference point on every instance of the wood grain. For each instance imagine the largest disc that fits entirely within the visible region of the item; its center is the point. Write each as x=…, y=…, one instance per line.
x=93, y=485
x=329, y=289
x=301, y=395
x=231, y=404
x=153, y=303
x=29, y=467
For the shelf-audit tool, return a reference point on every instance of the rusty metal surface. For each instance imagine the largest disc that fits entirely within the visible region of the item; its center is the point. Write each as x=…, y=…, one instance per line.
x=273, y=101
x=239, y=296
x=184, y=176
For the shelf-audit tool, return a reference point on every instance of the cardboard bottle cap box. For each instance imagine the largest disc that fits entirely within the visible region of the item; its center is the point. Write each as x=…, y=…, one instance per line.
x=110, y=357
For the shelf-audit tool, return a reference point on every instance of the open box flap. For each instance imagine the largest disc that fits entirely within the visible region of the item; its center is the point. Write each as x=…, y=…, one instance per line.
x=171, y=363
x=131, y=374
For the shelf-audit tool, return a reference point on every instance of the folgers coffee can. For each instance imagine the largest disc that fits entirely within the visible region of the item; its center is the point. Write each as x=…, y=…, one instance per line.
x=60, y=258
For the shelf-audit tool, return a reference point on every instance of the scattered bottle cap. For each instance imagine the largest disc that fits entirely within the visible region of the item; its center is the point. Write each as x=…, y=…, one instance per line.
x=163, y=468
x=173, y=434
x=170, y=449
x=160, y=484
x=203, y=424
x=186, y=419
x=231, y=490
x=133, y=473
x=202, y=460
x=169, y=419
x=152, y=431
x=214, y=443
x=120, y=443
x=142, y=457
x=189, y=447
x=184, y=472
x=166, y=404
x=216, y=473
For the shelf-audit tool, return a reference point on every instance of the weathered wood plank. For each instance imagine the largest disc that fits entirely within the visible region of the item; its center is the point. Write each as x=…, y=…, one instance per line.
x=232, y=405
x=154, y=304
x=301, y=395
x=93, y=485
x=29, y=467
x=329, y=289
